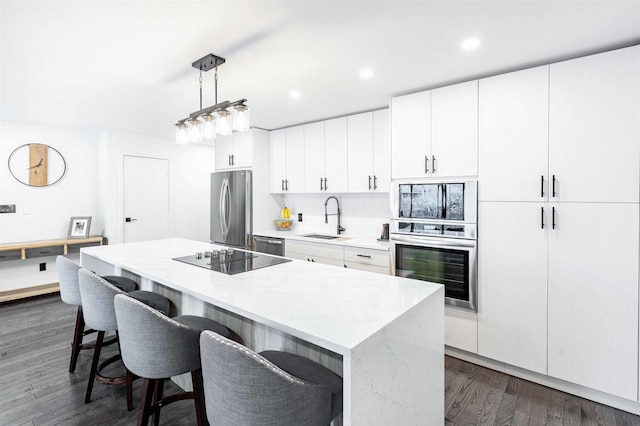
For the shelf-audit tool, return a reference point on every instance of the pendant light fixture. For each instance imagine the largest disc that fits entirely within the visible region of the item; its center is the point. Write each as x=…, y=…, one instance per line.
x=221, y=118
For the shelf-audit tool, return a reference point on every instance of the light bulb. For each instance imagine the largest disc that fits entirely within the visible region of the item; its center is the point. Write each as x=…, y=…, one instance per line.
x=194, y=130
x=208, y=126
x=223, y=126
x=240, y=118
x=181, y=134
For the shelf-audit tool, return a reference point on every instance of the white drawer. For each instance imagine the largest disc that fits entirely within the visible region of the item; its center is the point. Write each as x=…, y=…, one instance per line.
x=314, y=250
x=367, y=256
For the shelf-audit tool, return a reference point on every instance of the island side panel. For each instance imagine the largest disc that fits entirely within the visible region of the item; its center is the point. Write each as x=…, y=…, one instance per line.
x=397, y=375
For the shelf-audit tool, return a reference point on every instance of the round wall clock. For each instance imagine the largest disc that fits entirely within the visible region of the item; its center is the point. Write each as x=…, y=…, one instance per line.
x=37, y=164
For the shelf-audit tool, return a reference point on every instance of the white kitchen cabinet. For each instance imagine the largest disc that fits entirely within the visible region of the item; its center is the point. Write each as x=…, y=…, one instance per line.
x=410, y=135
x=315, y=252
x=435, y=133
x=593, y=296
x=512, y=283
x=513, y=136
x=461, y=329
x=368, y=152
x=326, y=156
x=234, y=151
x=454, y=130
x=286, y=159
x=594, y=152
x=371, y=260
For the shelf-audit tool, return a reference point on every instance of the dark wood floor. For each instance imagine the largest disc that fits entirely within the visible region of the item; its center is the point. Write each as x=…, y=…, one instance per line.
x=36, y=389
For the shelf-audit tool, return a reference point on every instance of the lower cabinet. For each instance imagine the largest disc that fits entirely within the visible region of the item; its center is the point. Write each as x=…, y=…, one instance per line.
x=561, y=300
x=363, y=259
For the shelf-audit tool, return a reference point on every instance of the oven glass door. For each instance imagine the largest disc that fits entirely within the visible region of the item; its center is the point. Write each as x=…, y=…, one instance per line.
x=454, y=267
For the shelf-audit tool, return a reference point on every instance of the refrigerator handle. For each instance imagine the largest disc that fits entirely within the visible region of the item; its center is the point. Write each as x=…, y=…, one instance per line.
x=224, y=209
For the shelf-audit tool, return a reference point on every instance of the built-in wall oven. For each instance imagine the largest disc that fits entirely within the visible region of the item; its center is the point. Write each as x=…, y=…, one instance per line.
x=433, y=236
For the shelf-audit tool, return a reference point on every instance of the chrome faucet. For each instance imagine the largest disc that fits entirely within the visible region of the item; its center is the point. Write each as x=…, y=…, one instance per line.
x=326, y=215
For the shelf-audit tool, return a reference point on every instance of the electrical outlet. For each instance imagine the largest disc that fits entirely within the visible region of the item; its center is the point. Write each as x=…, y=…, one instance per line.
x=43, y=266
x=299, y=217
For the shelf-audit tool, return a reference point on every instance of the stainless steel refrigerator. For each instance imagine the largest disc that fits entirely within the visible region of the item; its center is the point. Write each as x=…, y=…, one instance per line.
x=231, y=208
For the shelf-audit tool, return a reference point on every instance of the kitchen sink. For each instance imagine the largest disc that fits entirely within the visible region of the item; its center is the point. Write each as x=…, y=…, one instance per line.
x=321, y=236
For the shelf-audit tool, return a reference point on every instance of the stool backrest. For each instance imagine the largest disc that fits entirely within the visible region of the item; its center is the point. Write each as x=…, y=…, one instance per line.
x=153, y=345
x=68, y=278
x=97, y=301
x=243, y=388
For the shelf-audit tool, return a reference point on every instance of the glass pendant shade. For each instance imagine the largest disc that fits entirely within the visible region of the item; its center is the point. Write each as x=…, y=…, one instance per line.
x=223, y=126
x=194, y=130
x=240, y=118
x=208, y=126
x=181, y=134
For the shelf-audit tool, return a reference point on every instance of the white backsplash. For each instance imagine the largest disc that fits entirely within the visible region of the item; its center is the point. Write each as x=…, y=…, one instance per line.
x=362, y=214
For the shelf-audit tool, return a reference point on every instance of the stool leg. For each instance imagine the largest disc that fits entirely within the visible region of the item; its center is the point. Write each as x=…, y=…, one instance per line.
x=157, y=397
x=77, y=340
x=129, y=376
x=198, y=396
x=94, y=366
x=145, y=402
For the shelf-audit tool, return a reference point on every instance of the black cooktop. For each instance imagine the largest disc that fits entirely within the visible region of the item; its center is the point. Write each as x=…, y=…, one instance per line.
x=231, y=262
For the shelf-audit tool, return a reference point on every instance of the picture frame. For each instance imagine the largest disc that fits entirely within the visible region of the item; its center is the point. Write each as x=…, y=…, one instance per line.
x=79, y=227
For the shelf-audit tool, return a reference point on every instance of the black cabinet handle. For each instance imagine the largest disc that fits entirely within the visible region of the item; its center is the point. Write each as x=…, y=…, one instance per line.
x=325, y=184
x=553, y=186
x=282, y=184
x=286, y=184
x=553, y=218
x=369, y=182
x=542, y=186
x=426, y=164
x=542, y=217
x=320, y=184
x=363, y=255
x=375, y=185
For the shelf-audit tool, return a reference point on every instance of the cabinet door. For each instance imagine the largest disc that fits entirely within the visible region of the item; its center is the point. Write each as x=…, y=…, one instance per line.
x=295, y=159
x=514, y=136
x=224, y=149
x=454, y=130
x=277, y=160
x=360, y=152
x=410, y=135
x=381, y=151
x=314, y=157
x=335, y=154
x=512, y=284
x=593, y=296
x=242, y=154
x=593, y=127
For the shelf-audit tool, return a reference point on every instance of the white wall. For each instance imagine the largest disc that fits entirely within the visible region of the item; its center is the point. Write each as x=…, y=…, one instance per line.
x=189, y=181
x=44, y=212
x=362, y=214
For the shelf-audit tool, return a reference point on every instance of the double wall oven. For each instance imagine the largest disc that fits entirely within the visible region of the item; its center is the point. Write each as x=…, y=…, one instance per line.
x=433, y=236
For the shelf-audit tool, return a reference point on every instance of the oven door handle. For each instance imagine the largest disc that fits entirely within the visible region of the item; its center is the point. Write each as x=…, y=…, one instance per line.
x=450, y=243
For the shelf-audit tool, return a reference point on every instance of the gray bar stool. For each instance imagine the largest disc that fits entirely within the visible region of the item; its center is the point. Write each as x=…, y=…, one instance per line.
x=156, y=347
x=97, y=300
x=271, y=388
x=70, y=294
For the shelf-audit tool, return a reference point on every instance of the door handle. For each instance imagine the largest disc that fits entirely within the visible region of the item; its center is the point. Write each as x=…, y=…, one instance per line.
x=553, y=186
x=130, y=219
x=542, y=217
x=553, y=218
x=542, y=186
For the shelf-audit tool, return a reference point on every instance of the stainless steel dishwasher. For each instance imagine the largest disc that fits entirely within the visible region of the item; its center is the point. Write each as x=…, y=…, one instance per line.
x=269, y=245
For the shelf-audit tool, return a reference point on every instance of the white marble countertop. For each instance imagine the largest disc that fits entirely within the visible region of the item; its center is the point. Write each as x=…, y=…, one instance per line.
x=336, y=308
x=344, y=240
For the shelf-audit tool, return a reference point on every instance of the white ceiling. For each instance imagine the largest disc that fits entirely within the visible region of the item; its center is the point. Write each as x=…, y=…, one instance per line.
x=126, y=65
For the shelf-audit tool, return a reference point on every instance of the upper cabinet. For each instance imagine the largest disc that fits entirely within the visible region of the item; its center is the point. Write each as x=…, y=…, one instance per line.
x=286, y=158
x=594, y=110
x=234, y=151
x=368, y=152
x=435, y=133
x=513, y=136
x=325, y=144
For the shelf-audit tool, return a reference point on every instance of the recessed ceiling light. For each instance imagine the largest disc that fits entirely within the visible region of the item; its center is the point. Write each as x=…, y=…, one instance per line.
x=470, y=43
x=295, y=94
x=366, y=73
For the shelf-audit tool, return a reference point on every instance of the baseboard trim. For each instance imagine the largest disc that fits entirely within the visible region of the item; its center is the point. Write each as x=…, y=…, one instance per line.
x=6, y=296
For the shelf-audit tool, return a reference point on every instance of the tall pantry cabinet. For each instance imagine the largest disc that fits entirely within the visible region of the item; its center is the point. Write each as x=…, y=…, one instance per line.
x=558, y=220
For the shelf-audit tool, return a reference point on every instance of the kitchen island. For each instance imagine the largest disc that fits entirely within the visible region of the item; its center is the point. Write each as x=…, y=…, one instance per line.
x=383, y=334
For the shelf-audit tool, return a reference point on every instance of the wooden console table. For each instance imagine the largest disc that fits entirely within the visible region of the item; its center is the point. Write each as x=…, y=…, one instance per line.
x=43, y=248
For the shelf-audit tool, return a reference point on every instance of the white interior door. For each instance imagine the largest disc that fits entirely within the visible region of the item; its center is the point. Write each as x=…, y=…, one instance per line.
x=145, y=198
